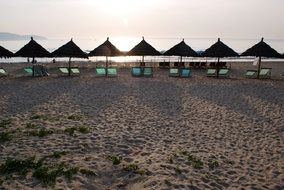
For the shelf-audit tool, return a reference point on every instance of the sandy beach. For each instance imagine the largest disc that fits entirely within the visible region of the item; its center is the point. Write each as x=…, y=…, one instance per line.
x=144, y=133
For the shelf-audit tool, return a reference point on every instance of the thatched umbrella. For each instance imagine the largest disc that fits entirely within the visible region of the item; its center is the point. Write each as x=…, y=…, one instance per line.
x=5, y=53
x=106, y=49
x=261, y=49
x=69, y=50
x=143, y=49
x=182, y=50
x=32, y=49
x=219, y=50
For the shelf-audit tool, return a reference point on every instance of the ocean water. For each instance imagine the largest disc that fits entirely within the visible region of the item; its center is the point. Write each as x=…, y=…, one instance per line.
x=125, y=44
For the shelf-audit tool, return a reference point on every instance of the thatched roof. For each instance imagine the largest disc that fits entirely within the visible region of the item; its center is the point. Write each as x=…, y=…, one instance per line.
x=261, y=49
x=32, y=49
x=181, y=49
x=219, y=49
x=143, y=49
x=5, y=53
x=106, y=49
x=69, y=50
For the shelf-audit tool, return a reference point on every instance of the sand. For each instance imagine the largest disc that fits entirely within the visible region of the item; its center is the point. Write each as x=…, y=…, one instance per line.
x=197, y=133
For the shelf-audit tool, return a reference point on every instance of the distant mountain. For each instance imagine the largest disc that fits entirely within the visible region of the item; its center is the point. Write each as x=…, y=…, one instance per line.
x=5, y=36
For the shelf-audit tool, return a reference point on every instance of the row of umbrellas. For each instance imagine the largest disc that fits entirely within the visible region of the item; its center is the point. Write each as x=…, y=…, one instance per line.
x=107, y=49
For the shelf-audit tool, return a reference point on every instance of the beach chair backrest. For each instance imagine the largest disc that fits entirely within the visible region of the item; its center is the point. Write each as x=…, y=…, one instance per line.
x=211, y=71
x=185, y=73
x=174, y=71
x=100, y=71
x=28, y=70
x=250, y=73
x=136, y=71
x=224, y=72
x=148, y=71
x=112, y=72
x=2, y=72
x=64, y=70
x=75, y=70
x=264, y=72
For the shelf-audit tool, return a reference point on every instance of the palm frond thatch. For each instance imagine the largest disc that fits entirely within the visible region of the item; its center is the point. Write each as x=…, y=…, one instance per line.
x=70, y=49
x=261, y=49
x=32, y=49
x=219, y=49
x=106, y=49
x=181, y=49
x=143, y=49
x=5, y=53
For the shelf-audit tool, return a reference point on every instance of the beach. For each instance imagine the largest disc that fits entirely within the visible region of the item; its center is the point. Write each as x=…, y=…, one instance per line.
x=145, y=133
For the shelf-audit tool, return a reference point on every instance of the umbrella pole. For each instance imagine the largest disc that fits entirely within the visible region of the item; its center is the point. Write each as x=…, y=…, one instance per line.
x=33, y=61
x=106, y=64
x=69, y=65
x=180, y=60
x=258, y=69
x=142, y=64
x=218, y=67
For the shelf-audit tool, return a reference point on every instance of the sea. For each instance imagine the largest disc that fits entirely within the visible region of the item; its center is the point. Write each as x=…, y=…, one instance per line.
x=126, y=43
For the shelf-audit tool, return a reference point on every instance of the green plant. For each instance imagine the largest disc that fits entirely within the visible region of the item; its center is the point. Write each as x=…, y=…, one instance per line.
x=5, y=122
x=70, y=131
x=58, y=154
x=213, y=164
x=74, y=117
x=88, y=172
x=5, y=136
x=30, y=125
x=197, y=164
x=41, y=132
x=168, y=183
x=178, y=170
x=116, y=160
x=83, y=129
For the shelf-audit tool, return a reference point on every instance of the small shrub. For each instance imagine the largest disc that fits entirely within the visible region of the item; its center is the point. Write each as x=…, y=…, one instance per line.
x=83, y=129
x=116, y=160
x=30, y=125
x=58, y=154
x=74, y=117
x=5, y=123
x=5, y=136
x=41, y=132
x=213, y=164
x=70, y=131
x=177, y=170
x=168, y=183
x=197, y=164
x=88, y=172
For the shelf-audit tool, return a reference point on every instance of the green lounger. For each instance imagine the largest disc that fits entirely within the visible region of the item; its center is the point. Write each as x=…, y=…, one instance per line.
x=224, y=73
x=136, y=71
x=100, y=72
x=211, y=73
x=29, y=70
x=185, y=73
x=174, y=72
x=112, y=72
x=265, y=73
x=75, y=70
x=148, y=72
x=251, y=74
x=64, y=70
x=3, y=72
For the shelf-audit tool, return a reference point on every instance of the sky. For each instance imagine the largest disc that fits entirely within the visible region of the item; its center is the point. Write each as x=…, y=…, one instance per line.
x=236, y=19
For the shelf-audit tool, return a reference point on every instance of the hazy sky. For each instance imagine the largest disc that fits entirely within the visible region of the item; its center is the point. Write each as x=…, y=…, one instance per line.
x=151, y=18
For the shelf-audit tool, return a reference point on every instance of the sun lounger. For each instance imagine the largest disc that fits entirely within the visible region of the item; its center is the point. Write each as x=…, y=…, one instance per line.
x=211, y=73
x=100, y=72
x=185, y=72
x=224, y=72
x=174, y=72
x=136, y=71
x=29, y=70
x=112, y=72
x=251, y=74
x=75, y=70
x=148, y=72
x=265, y=73
x=64, y=70
x=3, y=72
